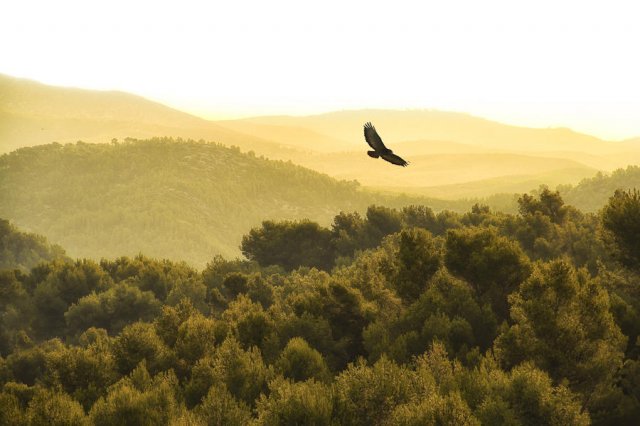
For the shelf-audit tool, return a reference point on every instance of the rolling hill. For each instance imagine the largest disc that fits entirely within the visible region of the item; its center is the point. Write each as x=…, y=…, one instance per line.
x=511, y=184
x=442, y=169
x=192, y=200
x=409, y=125
x=451, y=154
x=442, y=144
x=166, y=198
x=32, y=113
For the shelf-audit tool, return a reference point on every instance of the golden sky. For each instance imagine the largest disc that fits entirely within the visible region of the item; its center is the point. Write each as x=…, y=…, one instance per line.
x=535, y=63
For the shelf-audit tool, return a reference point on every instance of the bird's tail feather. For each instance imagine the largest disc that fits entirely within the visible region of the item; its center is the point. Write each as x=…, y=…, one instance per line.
x=373, y=154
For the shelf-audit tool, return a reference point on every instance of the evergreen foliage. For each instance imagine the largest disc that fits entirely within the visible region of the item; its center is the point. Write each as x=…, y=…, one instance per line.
x=394, y=317
x=621, y=219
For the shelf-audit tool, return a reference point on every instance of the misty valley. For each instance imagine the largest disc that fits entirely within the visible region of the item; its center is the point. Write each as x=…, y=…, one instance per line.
x=159, y=268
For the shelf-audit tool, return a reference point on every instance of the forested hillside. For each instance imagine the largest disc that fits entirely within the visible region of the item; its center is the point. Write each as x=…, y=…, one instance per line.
x=392, y=317
x=23, y=251
x=588, y=195
x=183, y=200
x=591, y=194
x=188, y=200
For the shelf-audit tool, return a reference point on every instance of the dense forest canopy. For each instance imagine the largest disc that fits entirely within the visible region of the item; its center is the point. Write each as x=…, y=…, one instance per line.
x=390, y=317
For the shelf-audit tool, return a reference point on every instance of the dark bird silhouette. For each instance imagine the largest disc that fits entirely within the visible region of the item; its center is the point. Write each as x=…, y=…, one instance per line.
x=375, y=142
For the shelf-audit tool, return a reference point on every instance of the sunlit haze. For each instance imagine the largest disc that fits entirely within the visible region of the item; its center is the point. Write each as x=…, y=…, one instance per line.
x=535, y=63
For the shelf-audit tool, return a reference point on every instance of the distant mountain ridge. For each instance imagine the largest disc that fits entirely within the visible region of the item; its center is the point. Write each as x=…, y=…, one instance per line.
x=32, y=113
x=29, y=99
x=443, y=168
x=447, y=148
x=415, y=124
x=444, y=148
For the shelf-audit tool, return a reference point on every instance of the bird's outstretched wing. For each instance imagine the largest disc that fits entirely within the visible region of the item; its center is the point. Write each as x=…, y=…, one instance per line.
x=394, y=159
x=372, y=138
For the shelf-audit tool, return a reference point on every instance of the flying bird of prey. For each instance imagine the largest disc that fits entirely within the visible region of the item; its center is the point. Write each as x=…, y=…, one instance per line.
x=379, y=150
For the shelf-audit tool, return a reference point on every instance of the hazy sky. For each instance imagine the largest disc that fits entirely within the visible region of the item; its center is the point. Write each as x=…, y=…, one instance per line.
x=537, y=63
